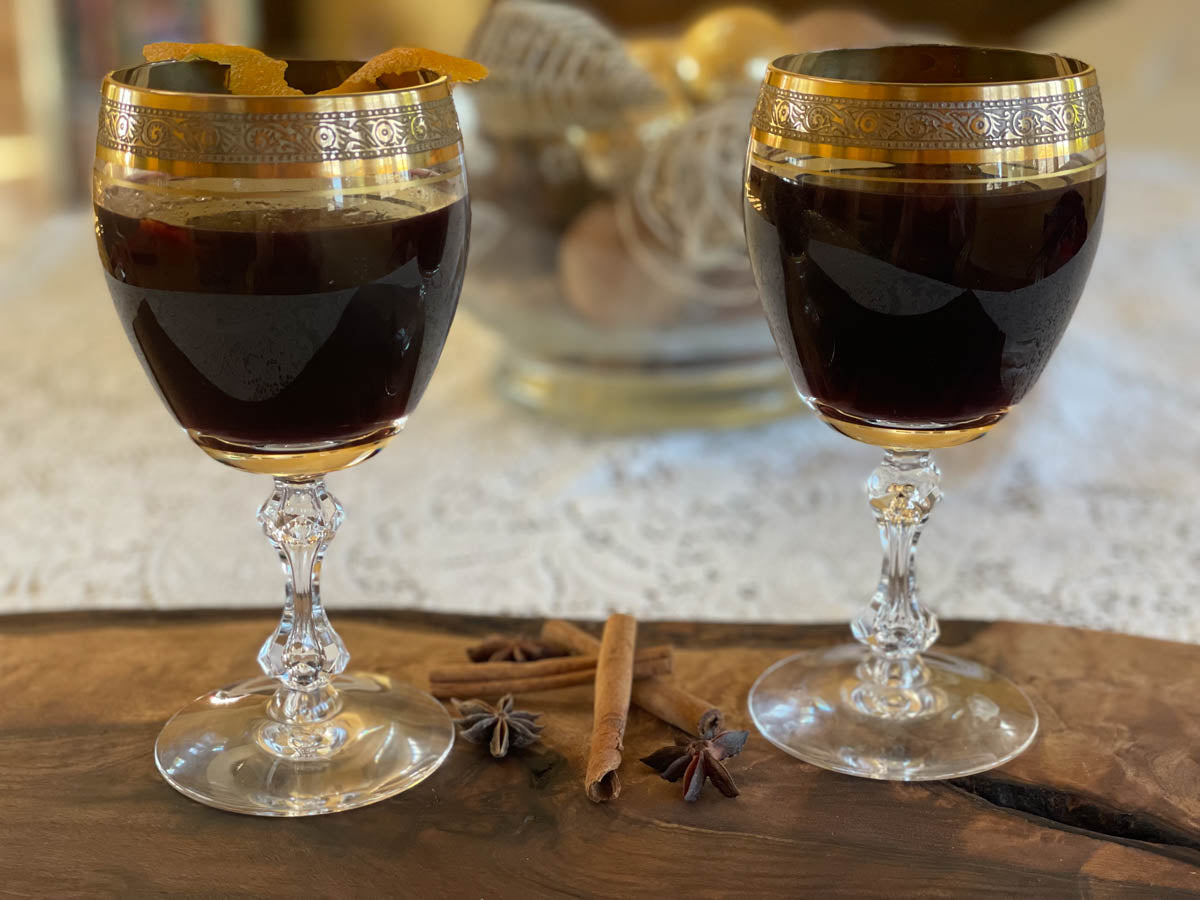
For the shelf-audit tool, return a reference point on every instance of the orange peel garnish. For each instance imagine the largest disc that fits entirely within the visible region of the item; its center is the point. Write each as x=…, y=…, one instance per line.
x=398, y=67
x=250, y=71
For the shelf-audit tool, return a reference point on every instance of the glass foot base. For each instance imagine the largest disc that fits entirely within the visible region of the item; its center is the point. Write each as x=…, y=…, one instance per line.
x=376, y=739
x=652, y=399
x=961, y=719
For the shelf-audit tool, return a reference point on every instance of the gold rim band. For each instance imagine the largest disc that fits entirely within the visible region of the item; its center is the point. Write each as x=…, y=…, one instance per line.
x=929, y=123
x=1093, y=169
x=394, y=166
x=375, y=133
x=207, y=191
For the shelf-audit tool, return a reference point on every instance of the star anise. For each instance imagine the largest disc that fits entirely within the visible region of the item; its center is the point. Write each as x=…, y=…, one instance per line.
x=695, y=759
x=500, y=726
x=499, y=647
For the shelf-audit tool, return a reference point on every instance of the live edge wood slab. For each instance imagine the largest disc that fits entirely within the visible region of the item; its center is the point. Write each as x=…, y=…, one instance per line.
x=1105, y=804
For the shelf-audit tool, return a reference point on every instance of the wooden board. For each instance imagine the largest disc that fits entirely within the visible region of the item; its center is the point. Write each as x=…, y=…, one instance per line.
x=1106, y=803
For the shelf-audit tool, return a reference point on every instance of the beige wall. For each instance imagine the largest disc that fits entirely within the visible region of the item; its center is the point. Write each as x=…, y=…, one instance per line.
x=364, y=27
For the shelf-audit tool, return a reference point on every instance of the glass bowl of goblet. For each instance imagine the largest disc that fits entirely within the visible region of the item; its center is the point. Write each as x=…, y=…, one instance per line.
x=921, y=221
x=286, y=270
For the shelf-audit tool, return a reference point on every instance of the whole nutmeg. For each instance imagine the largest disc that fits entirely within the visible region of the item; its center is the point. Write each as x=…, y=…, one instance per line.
x=603, y=283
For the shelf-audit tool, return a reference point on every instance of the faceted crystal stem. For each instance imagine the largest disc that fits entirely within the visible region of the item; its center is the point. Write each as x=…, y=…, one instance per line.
x=895, y=626
x=304, y=652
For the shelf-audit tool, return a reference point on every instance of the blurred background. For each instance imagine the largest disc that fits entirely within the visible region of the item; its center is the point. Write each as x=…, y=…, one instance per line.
x=619, y=491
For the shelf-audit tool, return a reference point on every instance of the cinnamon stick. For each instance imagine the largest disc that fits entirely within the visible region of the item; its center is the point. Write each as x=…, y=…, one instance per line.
x=486, y=679
x=614, y=683
x=553, y=666
x=657, y=696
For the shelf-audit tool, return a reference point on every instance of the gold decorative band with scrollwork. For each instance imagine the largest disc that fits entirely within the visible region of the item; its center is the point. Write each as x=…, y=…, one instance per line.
x=918, y=131
x=276, y=137
x=929, y=122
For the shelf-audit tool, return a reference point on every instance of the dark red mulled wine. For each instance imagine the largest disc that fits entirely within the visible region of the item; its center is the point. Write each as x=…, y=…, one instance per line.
x=281, y=329
x=919, y=305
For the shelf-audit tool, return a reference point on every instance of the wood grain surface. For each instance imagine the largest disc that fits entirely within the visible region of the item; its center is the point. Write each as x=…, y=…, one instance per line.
x=1105, y=804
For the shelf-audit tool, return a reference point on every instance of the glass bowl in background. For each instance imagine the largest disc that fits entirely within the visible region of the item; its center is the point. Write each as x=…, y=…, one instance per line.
x=607, y=246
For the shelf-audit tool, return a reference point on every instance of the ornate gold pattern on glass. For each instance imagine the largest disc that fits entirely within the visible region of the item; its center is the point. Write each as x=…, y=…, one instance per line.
x=190, y=134
x=929, y=123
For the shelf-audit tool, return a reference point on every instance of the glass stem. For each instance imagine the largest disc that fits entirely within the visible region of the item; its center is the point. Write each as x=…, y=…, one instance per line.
x=304, y=652
x=895, y=626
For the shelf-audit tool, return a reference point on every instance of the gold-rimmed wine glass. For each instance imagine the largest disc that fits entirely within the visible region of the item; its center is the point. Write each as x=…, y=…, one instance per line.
x=921, y=221
x=287, y=269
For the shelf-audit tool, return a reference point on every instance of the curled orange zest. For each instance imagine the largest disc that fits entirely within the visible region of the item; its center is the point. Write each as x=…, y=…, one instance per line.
x=398, y=67
x=250, y=71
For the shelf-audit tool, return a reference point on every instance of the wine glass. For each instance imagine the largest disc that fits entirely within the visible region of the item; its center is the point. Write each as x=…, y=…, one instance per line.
x=286, y=269
x=921, y=221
